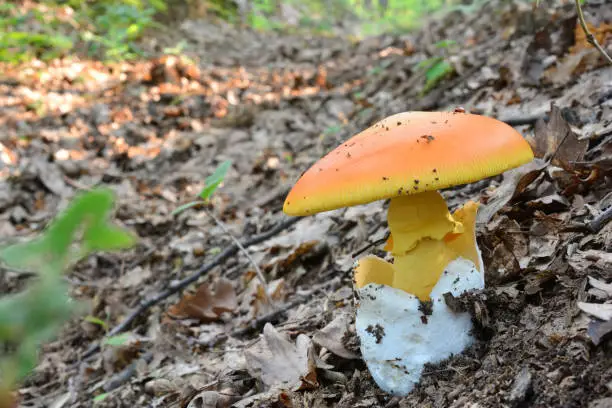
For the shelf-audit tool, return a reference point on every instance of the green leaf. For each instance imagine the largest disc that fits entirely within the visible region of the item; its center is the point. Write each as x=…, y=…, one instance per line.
x=331, y=130
x=445, y=43
x=101, y=397
x=436, y=73
x=118, y=340
x=34, y=316
x=159, y=5
x=24, y=256
x=186, y=206
x=212, y=182
x=103, y=237
x=98, y=321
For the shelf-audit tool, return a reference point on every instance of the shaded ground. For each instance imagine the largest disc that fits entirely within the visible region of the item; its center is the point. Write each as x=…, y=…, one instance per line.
x=154, y=130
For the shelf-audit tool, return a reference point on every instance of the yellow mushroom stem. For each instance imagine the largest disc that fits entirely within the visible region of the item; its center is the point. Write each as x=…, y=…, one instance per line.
x=424, y=239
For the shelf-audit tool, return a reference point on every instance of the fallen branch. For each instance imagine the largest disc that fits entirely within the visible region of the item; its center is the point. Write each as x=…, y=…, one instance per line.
x=523, y=120
x=204, y=269
x=124, y=376
x=597, y=223
x=256, y=324
x=593, y=226
x=589, y=36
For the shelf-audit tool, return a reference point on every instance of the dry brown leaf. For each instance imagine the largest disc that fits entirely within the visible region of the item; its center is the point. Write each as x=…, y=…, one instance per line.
x=331, y=336
x=550, y=203
x=515, y=182
x=254, y=300
x=279, y=363
x=534, y=282
x=206, y=305
x=503, y=265
x=559, y=141
x=508, y=249
x=601, y=33
x=543, y=240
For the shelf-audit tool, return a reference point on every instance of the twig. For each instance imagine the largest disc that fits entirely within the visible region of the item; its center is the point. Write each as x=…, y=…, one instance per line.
x=593, y=226
x=122, y=377
x=258, y=271
x=203, y=270
x=600, y=221
x=127, y=373
x=370, y=245
x=393, y=402
x=589, y=36
x=523, y=120
x=255, y=324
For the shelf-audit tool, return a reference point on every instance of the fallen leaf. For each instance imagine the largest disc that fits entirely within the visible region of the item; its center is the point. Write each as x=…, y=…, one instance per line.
x=558, y=141
x=543, y=241
x=592, y=258
x=212, y=399
x=515, y=182
x=602, y=311
x=254, y=300
x=550, y=203
x=206, y=305
x=52, y=178
x=503, y=265
x=135, y=277
x=534, y=282
x=309, y=229
x=271, y=398
x=331, y=336
x=597, y=330
x=279, y=363
x=121, y=350
x=596, y=283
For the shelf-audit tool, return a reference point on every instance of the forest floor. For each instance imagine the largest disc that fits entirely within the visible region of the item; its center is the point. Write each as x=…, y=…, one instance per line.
x=273, y=104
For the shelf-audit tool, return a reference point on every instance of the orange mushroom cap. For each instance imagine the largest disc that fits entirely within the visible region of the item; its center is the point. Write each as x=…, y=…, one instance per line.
x=408, y=153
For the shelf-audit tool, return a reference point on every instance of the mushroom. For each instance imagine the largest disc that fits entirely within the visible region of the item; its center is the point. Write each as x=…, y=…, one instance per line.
x=402, y=320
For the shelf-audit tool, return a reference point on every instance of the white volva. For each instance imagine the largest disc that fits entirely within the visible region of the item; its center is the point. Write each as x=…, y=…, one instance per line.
x=397, y=339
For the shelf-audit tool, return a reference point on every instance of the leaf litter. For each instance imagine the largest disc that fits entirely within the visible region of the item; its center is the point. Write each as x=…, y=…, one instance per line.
x=154, y=130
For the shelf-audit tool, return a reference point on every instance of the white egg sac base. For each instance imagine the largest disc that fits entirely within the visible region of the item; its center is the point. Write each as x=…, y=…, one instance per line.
x=397, y=339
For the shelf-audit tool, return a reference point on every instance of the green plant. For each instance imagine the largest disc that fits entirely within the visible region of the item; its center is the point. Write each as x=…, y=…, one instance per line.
x=210, y=186
x=436, y=69
x=35, y=315
x=18, y=43
x=357, y=16
x=116, y=24
x=109, y=28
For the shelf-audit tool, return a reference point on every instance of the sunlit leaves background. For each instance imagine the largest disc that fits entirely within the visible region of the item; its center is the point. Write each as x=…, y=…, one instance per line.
x=109, y=29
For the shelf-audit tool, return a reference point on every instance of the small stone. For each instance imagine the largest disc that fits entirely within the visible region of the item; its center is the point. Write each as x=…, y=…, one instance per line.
x=158, y=386
x=19, y=215
x=568, y=382
x=555, y=376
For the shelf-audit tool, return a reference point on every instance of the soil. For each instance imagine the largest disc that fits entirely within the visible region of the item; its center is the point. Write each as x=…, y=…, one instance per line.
x=153, y=130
